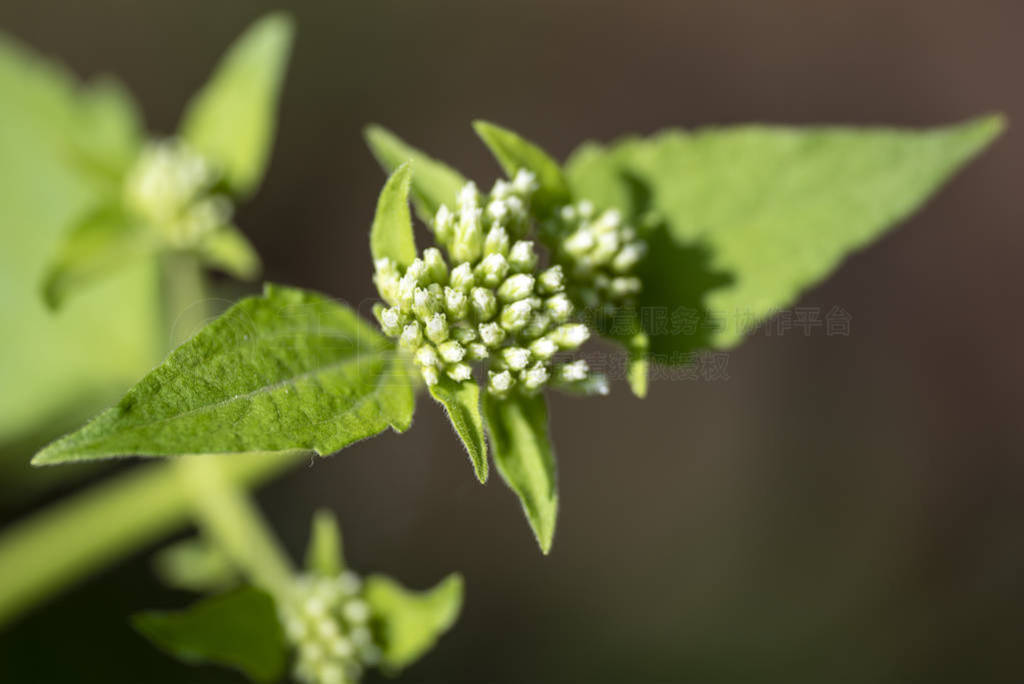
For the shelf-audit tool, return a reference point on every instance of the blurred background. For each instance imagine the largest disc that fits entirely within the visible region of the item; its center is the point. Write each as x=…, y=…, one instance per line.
x=842, y=508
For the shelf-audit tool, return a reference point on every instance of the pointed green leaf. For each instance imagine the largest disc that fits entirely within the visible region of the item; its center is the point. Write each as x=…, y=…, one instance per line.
x=113, y=131
x=434, y=183
x=228, y=250
x=514, y=152
x=461, y=400
x=289, y=370
x=753, y=215
x=409, y=623
x=518, y=427
x=195, y=565
x=232, y=119
x=103, y=242
x=239, y=629
x=391, y=234
x=324, y=554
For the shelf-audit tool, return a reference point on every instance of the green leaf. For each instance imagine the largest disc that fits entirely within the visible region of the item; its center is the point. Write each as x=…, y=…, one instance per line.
x=58, y=369
x=638, y=347
x=229, y=250
x=113, y=131
x=103, y=242
x=194, y=565
x=290, y=370
x=514, y=152
x=434, y=183
x=461, y=400
x=518, y=427
x=391, y=234
x=409, y=623
x=324, y=555
x=239, y=629
x=753, y=215
x=231, y=120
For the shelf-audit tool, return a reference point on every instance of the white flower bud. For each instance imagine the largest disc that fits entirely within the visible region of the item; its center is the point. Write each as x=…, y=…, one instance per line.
x=585, y=208
x=407, y=287
x=462, y=277
x=424, y=305
x=516, y=287
x=456, y=304
x=356, y=611
x=437, y=328
x=629, y=256
x=492, y=270
x=412, y=336
x=516, y=208
x=463, y=334
x=437, y=269
x=559, y=307
x=451, y=351
x=551, y=280
x=535, y=378
x=460, y=372
x=624, y=287
x=516, y=315
x=418, y=271
x=517, y=358
x=485, y=304
x=499, y=383
x=525, y=182
x=568, y=213
x=491, y=334
x=538, y=325
x=444, y=224
x=570, y=335
x=580, y=242
x=501, y=189
x=497, y=209
x=575, y=371
x=468, y=242
x=469, y=196
x=543, y=348
x=522, y=258
x=391, y=321
x=427, y=357
x=476, y=351
x=605, y=248
x=496, y=241
x=429, y=375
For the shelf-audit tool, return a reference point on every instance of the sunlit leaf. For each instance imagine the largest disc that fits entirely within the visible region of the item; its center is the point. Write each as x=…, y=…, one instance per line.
x=391, y=233
x=232, y=119
x=284, y=371
x=239, y=629
x=753, y=215
x=461, y=401
x=518, y=428
x=433, y=184
x=409, y=623
x=228, y=250
x=514, y=152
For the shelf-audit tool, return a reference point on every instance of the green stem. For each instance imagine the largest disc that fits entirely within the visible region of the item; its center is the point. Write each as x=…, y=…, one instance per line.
x=224, y=512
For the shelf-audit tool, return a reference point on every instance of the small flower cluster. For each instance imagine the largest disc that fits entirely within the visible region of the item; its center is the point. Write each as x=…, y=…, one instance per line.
x=328, y=623
x=599, y=253
x=494, y=305
x=172, y=187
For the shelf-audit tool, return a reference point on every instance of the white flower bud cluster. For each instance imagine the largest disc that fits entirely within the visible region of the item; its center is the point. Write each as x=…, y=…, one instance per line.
x=599, y=253
x=171, y=187
x=495, y=305
x=328, y=623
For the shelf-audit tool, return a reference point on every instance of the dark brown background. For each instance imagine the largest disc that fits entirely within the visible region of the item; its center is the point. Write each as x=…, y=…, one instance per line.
x=841, y=509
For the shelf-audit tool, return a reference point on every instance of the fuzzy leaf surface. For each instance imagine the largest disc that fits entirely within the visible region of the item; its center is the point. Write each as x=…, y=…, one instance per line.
x=461, y=401
x=289, y=370
x=391, y=233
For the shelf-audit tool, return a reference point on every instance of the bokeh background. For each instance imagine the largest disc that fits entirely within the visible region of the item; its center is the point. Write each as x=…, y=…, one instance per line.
x=842, y=508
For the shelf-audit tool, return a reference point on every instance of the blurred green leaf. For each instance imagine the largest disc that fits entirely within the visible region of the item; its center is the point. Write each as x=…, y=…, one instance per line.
x=66, y=366
x=409, y=623
x=232, y=119
x=514, y=152
x=239, y=629
x=114, y=131
x=103, y=242
x=391, y=234
x=228, y=250
x=461, y=400
x=194, y=565
x=518, y=427
x=753, y=215
x=324, y=555
x=433, y=183
x=288, y=370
